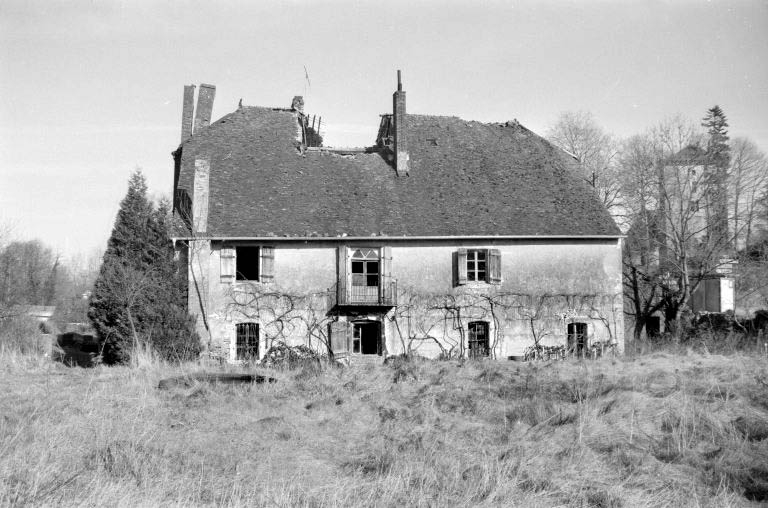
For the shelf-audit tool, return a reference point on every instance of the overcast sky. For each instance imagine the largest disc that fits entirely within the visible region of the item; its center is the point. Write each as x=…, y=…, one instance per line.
x=91, y=90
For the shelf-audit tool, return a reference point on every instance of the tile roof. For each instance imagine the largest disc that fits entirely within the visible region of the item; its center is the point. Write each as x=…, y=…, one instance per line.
x=466, y=179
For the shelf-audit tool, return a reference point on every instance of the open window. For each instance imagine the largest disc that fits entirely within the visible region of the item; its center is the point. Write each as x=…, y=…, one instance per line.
x=247, y=261
x=473, y=266
x=478, y=343
x=365, y=276
x=255, y=263
x=247, y=341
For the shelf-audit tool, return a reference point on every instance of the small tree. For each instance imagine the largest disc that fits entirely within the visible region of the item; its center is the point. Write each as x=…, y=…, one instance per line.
x=138, y=295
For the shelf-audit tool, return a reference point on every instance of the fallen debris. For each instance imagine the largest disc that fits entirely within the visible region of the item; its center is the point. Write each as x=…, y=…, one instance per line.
x=290, y=357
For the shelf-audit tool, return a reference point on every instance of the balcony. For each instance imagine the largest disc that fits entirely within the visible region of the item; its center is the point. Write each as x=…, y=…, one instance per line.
x=384, y=295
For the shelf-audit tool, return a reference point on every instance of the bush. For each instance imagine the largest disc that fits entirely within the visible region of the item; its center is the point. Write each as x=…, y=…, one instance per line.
x=21, y=334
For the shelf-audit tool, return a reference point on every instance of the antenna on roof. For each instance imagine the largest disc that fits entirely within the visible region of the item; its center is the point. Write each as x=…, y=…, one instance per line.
x=306, y=79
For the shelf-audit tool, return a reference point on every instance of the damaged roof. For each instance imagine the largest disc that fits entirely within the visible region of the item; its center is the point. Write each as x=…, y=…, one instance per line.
x=466, y=179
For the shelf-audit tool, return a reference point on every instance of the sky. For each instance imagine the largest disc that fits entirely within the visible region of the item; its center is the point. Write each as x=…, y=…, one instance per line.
x=92, y=90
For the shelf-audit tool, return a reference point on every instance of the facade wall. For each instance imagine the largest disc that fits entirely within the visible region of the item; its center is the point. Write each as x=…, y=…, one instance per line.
x=545, y=286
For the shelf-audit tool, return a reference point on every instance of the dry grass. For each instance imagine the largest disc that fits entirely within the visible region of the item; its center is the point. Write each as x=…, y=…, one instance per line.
x=654, y=430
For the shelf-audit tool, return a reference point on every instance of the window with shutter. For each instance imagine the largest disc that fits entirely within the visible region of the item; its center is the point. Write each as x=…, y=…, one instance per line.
x=342, y=286
x=461, y=267
x=338, y=332
x=227, y=264
x=267, y=264
x=247, y=263
x=477, y=265
x=365, y=265
x=387, y=290
x=494, y=266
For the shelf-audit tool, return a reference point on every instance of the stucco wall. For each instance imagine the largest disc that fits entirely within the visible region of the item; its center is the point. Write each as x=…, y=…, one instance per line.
x=545, y=285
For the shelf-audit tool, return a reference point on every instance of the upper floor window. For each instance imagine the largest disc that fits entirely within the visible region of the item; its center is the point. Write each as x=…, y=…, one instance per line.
x=477, y=265
x=248, y=263
x=365, y=275
x=247, y=260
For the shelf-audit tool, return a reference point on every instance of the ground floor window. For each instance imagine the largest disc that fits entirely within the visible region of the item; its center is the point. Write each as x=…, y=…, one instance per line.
x=247, y=341
x=478, y=339
x=366, y=338
x=577, y=338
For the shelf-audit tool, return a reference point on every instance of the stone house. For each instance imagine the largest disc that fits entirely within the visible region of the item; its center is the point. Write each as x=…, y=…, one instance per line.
x=445, y=237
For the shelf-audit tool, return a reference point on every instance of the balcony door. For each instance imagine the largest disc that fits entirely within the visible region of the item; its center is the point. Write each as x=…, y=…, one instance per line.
x=365, y=275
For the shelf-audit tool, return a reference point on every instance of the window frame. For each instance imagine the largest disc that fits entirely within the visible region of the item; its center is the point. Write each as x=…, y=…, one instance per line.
x=472, y=338
x=240, y=275
x=232, y=255
x=474, y=260
x=249, y=332
x=477, y=267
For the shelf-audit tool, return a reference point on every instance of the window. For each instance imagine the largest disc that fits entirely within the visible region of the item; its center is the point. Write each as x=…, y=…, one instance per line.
x=577, y=338
x=478, y=339
x=365, y=275
x=247, y=262
x=247, y=341
x=476, y=265
x=366, y=338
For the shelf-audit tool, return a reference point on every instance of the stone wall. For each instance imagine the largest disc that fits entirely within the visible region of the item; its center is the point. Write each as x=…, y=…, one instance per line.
x=546, y=284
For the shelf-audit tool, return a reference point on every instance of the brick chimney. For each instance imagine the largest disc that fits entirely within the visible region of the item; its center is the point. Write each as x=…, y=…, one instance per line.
x=402, y=165
x=204, y=106
x=187, y=112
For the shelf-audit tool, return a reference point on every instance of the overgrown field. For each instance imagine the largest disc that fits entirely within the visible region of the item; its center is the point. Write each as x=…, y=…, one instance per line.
x=653, y=430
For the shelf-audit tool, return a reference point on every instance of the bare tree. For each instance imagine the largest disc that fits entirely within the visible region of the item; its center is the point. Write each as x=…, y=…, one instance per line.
x=747, y=181
x=597, y=153
x=679, y=236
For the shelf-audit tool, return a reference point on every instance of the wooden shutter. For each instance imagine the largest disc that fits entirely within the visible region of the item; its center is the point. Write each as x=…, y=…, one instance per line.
x=385, y=276
x=267, y=264
x=339, y=338
x=227, y=264
x=494, y=266
x=461, y=267
x=342, y=285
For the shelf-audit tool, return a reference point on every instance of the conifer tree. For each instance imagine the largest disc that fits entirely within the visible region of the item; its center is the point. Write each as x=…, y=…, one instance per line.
x=716, y=124
x=718, y=154
x=137, y=295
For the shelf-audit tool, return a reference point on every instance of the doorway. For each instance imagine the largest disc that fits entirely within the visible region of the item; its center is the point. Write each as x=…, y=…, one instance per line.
x=366, y=338
x=577, y=339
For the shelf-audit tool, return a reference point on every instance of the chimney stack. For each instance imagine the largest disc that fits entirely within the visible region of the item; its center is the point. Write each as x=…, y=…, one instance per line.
x=187, y=112
x=402, y=165
x=204, y=106
x=298, y=104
